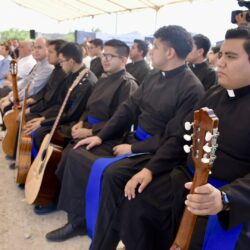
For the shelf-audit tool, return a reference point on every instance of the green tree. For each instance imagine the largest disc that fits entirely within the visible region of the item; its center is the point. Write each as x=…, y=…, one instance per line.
x=14, y=34
x=96, y=30
x=70, y=37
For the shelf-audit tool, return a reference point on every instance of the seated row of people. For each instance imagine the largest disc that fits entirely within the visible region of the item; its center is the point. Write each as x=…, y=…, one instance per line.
x=97, y=122
x=138, y=67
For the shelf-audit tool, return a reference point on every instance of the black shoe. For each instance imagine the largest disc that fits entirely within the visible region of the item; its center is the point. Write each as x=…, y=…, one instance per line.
x=45, y=209
x=12, y=166
x=65, y=232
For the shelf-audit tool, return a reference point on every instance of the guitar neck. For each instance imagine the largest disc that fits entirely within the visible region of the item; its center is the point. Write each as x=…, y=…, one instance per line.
x=23, y=121
x=15, y=91
x=186, y=228
x=82, y=74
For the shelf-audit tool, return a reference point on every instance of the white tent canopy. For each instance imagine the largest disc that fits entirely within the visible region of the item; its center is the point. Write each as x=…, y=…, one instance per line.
x=62, y=10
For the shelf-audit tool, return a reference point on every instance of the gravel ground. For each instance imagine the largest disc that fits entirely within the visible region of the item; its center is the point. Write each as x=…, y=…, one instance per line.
x=20, y=228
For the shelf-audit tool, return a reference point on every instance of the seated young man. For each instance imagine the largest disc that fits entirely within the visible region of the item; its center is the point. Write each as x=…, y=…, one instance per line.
x=45, y=101
x=70, y=58
x=139, y=67
x=149, y=219
x=197, y=60
x=95, y=51
x=110, y=91
x=159, y=104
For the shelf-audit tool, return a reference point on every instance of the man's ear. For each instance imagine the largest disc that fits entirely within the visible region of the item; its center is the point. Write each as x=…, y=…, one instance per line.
x=124, y=59
x=201, y=52
x=170, y=53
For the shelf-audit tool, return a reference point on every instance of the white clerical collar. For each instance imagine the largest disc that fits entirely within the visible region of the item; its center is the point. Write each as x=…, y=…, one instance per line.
x=163, y=73
x=230, y=93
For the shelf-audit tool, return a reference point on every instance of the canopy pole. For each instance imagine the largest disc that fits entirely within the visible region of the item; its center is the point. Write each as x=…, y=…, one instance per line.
x=116, y=22
x=156, y=16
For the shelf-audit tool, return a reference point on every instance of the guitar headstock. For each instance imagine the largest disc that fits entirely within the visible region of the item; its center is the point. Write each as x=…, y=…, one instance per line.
x=13, y=67
x=204, y=138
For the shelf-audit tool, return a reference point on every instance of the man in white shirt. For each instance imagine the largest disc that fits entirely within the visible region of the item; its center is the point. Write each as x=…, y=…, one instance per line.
x=25, y=64
x=38, y=76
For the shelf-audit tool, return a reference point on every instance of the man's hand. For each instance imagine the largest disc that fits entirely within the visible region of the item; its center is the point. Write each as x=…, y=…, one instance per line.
x=82, y=133
x=122, y=149
x=142, y=178
x=76, y=127
x=27, y=111
x=205, y=201
x=89, y=142
x=32, y=125
x=30, y=101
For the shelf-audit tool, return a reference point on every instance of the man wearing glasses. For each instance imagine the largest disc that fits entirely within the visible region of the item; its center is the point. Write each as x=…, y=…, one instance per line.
x=70, y=59
x=111, y=90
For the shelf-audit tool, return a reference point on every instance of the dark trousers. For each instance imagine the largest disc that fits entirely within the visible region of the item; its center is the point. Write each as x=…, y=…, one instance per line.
x=114, y=180
x=73, y=172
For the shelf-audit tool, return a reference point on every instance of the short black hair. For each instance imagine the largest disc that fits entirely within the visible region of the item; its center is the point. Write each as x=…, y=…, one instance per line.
x=202, y=42
x=142, y=46
x=240, y=33
x=72, y=51
x=215, y=49
x=97, y=42
x=121, y=47
x=176, y=37
x=58, y=44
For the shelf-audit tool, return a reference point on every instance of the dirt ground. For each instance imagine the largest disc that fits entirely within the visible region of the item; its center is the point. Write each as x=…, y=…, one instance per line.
x=20, y=227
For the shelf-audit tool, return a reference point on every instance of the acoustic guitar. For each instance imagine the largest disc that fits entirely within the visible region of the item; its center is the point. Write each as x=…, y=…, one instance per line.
x=205, y=133
x=41, y=184
x=10, y=117
x=24, y=145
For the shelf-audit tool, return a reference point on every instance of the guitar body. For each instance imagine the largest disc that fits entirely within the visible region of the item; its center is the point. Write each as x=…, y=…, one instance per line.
x=10, y=139
x=24, y=146
x=23, y=158
x=41, y=186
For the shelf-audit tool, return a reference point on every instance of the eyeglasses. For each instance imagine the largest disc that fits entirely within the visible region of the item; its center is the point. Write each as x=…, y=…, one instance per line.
x=109, y=57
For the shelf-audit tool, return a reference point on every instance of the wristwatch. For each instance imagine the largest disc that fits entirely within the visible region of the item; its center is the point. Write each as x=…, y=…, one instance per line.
x=225, y=201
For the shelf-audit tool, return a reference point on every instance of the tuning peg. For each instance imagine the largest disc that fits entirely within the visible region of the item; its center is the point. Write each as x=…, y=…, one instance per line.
x=216, y=134
x=205, y=160
x=187, y=137
x=188, y=125
x=208, y=136
x=210, y=172
x=186, y=149
x=207, y=149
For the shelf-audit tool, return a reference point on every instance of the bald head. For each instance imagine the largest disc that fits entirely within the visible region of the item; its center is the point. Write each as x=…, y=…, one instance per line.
x=25, y=48
x=40, y=49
